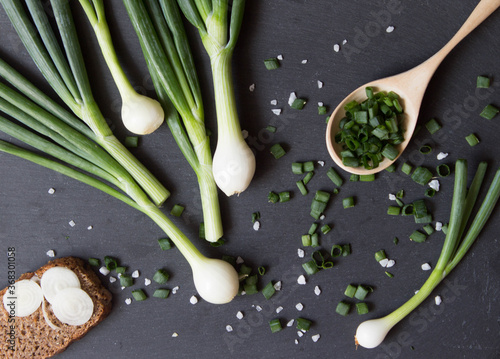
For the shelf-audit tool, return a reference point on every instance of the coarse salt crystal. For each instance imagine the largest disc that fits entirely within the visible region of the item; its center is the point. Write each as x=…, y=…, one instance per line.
x=239, y=315
x=90, y=228
x=119, y=275
x=299, y=306
x=434, y=184
x=72, y=223
x=276, y=111
x=439, y=226
x=390, y=263
x=128, y=301
x=383, y=262
x=441, y=155
x=392, y=197
x=300, y=334
x=256, y=225
x=300, y=253
x=317, y=290
x=104, y=270
x=112, y=279
x=438, y=300
x=51, y=191
x=258, y=308
x=239, y=260
x=426, y=266
x=290, y=322
x=279, y=309
x=147, y=281
x=274, y=102
x=193, y=300
x=292, y=98
x=277, y=286
x=389, y=29
x=322, y=217
x=321, y=163
x=304, y=61
x=336, y=47
x=320, y=84
x=320, y=103
x=315, y=337
x=175, y=289
x=344, y=42
x=175, y=335
x=279, y=57
x=51, y=253
x=251, y=87
x=135, y=274
x=229, y=328
x=301, y=280
x=296, y=341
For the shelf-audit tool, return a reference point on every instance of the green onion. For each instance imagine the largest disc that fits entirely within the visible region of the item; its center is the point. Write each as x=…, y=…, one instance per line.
x=277, y=151
x=482, y=82
x=395, y=240
x=379, y=255
x=362, y=308
x=393, y=211
x=428, y=229
x=489, y=112
x=343, y=308
x=310, y=267
x=245, y=270
x=302, y=188
x=269, y=290
x=425, y=150
x=313, y=228
x=400, y=194
x=315, y=240
x=271, y=129
x=334, y=177
x=161, y=293
x=230, y=259
x=367, y=178
x=303, y=324
x=297, y=168
x=165, y=244
x=177, y=210
x=432, y=126
x=255, y=216
x=472, y=140
x=391, y=168
x=131, y=141
x=406, y=168
x=430, y=192
x=346, y=250
x=419, y=208
x=139, y=295
x=418, y=237
x=120, y=270
x=284, y=196
x=161, y=276
x=308, y=177
x=298, y=104
x=408, y=210
x=272, y=63
x=306, y=240
x=350, y=291
x=325, y=229
x=348, y=202
x=389, y=274
x=354, y=178
x=322, y=110
x=443, y=170
x=275, y=325
x=421, y=175
x=308, y=166
x=110, y=262
x=273, y=197
x=94, y=262
x=126, y=280
x=390, y=152
x=336, y=250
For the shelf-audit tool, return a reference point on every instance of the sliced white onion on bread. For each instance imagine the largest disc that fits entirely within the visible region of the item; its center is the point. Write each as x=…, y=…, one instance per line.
x=72, y=306
x=56, y=279
x=46, y=317
x=24, y=300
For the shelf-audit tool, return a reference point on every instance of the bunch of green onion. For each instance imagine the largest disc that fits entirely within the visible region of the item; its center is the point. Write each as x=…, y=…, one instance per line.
x=80, y=144
x=458, y=241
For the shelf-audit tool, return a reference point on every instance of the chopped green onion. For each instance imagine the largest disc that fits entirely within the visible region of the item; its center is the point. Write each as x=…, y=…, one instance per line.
x=165, y=244
x=400, y=202
x=325, y=229
x=336, y=250
x=161, y=293
x=271, y=129
x=255, y=216
x=161, y=276
x=400, y=194
x=303, y=324
x=284, y=196
x=393, y=211
x=308, y=166
x=389, y=274
x=489, y=112
x=298, y=104
x=418, y=237
x=443, y=170
x=321, y=110
x=362, y=308
x=350, y=161
x=420, y=209
x=308, y=177
x=424, y=219
x=131, y=141
x=406, y=168
x=110, y=262
x=425, y=150
x=369, y=92
x=273, y=197
x=391, y=168
x=444, y=229
x=408, y=210
x=421, y=175
x=367, y=178
x=269, y=290
x=380, y=255
x=302, y=188
x=120, y=270
x=313, y=228
x=322, y=196
x=472, y=140
x=390, y=152
x=250, y=288
x=201, y=230
x=432, y=126
x=346, y=249
x=354, y=178
x=314, y=240
x=126, y=280
x=275, y=325
x=348, y=202
x=343, y=308
x=272, y=63
x=94, y=262
x=482, y=82
x=350, y=291
x=430, y=192
x=306, y=240
x=261, y=270
x=277, y=151
x=245, y=270
x=218, y=243
x=395, y=240
x=428, y=229
x=231, y=260
x=139, y=295
x=310, y=267
x=334, y=177
x=177, y=210
x=297, y=168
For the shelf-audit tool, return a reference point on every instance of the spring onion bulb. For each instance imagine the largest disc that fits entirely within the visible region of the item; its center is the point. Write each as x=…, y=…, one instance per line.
x=371, y=333
x=56, y=279
x=216, y=280
x=25, y=298
x=73, y=306
x=141, y=115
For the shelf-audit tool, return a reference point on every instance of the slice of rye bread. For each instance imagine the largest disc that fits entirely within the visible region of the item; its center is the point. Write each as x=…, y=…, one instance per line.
x=33, y=336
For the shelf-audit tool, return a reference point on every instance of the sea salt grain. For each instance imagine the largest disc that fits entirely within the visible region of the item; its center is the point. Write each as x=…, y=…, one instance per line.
x=229, y=328
x=72, y=223
x=274, y=102
x=426, y=266
x=51, y=253
x=251, y=87
x=299, y=306
x=315, y=337
x=304, y=62
x=438, y=300
x=128, y=301
x=112, y=279
x=277, y=286
x=301, y=280
x=175, y=289
x=389, y=29
x=135, y=274
x=279, y=57
x=442, y=155
x=104, y=270
x=434, y=184
x=256, y=225
x=276, y=111
x=147, y=281
x=290, y=322
x=336, y=47
x=439, y=226
x=292, y=98
x=317, y=291
x=320, y=84
x=390, y=263
x=300, y=253
x=51, y=191
x=193, y=300
x=239, y=315
x=279, y=309
x=300, y=334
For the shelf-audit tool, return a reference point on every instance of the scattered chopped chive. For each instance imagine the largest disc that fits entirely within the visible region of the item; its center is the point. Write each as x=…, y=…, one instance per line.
x=379, y=255
x=389, y=274
x=250, y=288
x=346, y=249
x=165, y=243
x=275, y=325
x=218, y=243
x=314, y=240
x=421, y=175
x=139, y=295
x=399, y=202
x=428, y=229
x=482, y=82
x=348, y=202
x=177, y=210
x=367, y=178
x=110, y=262
x=284, y=196
x=424, y=219
x=334, y=177
x=391, y=168
x=255, y=216
x=306, y=240
x=432, y=126
x=308, y=177
x=277, y=151
x=302, y=188
x=245, y=270
x=350, y=161
x=400, y=194
x=489, y=112
x=430, y=192
x=325, y=229
x=418, y=237
x=362, y=308
x=369, y=92
x=271, y=129
x=298, y=104
x=321, y=110
x=120, y=270
x=126, y=280
x=390, y=152
x=425, y=150
x=336, y=250
x=313, y=228
x=335, y=191
x=252, y=279
x=343, y=308
x=230, y=259
x=350, y=290
x=472, y=140
x=131, y=141
x=269, y=290
x=408, y=210
x=161, y=276
x=261, y=270
x=303, y=324
x=322, y=196
x=443, y=170
x=201, y=230
x=406, y=168
x=419, y=208
x=444, y=229
x=354, y=178
x=161, y=293
x=395, y=240
x=310, y=267
x=297, y=168
x=272, y=63
x=94, y=262
x=273, y=197
x=393, y=211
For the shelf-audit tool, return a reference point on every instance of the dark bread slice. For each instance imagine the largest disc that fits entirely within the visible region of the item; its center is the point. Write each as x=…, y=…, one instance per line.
x=34, y=337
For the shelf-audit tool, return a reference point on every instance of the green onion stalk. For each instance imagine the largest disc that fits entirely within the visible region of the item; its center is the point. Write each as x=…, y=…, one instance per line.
x=141, y=115
x=234, y=161
x=371, y=333
x=75, y=148
x=161, y=33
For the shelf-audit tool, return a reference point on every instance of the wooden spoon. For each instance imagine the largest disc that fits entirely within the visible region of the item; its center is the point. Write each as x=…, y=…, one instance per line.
x=409, y=85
